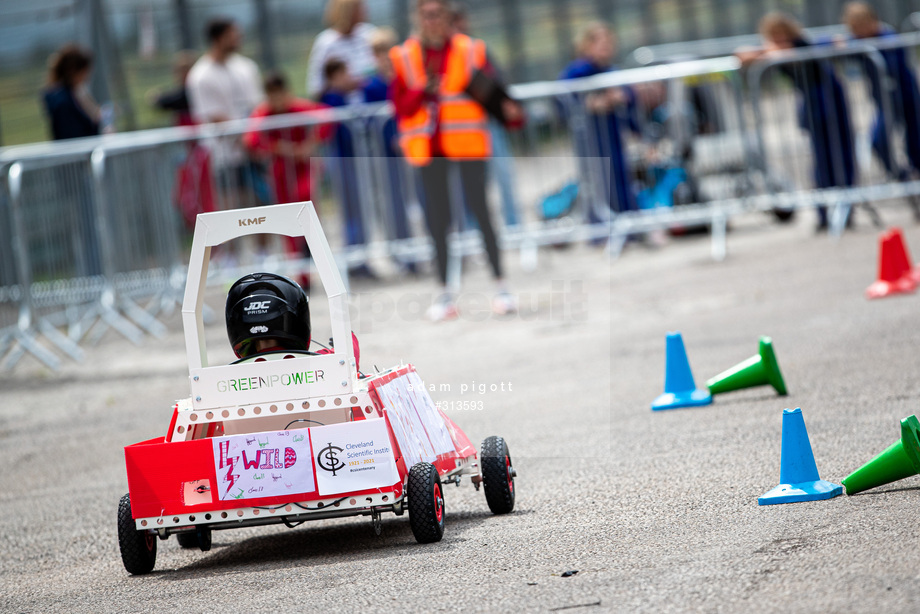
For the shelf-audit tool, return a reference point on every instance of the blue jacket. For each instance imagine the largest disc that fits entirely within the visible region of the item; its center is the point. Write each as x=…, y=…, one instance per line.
x=825, y=115
x=68, y=119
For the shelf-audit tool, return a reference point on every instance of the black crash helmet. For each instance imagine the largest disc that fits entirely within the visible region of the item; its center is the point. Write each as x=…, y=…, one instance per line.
x=267, y=306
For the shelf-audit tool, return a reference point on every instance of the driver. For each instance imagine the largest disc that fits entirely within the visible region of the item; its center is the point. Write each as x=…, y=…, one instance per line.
x=270, y=313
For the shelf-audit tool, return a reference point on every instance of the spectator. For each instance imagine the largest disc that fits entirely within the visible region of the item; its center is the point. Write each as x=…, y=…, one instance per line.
x=347, y=38
x=441, y=128
x=193, y=192
x=609, y=110
x=500, y=163
x=823, y=112
x=339, y=86
x=904, y=98
x=376, y=89
x=287, y=150
x=72, y=112
x=224, y=85
x=176, y=99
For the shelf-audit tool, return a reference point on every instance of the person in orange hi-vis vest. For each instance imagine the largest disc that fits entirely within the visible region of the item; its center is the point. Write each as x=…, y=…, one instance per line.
x=441, y=127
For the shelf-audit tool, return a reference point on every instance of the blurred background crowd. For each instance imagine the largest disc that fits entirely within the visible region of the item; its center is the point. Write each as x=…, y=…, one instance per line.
x=135, y=41
x=368, y=108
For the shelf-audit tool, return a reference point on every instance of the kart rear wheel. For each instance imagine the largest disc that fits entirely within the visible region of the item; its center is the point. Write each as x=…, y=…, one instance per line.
x=199, y=538
x=203, y=538
x=426, y=503
x=497, y=475
x=138, y=548
x=187, y=540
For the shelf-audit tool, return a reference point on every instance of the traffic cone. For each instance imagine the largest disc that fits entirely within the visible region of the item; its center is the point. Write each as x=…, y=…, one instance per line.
x=895, y=271
x=900, y=460
x=913, y=272
x=757, y=370
x=679, y=388
x=798, y=473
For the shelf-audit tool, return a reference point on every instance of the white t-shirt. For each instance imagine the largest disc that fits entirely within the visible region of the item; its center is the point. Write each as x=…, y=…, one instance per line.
x=354, y=49
x=230, y=89
x=225, y=90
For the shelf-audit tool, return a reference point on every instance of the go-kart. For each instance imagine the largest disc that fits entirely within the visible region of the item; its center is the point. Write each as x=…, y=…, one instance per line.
x=286, y=437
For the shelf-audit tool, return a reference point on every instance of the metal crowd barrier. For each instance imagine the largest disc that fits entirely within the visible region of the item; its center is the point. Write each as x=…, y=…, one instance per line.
x=825, y=120
x=715, y=47
x=95, y=226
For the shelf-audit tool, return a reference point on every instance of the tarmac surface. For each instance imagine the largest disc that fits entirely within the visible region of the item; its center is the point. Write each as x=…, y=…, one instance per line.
x=656, y=511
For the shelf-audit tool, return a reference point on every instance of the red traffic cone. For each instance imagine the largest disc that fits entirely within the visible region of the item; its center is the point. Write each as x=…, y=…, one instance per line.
x=903, y=256
x=894, y=267
x=913, y=272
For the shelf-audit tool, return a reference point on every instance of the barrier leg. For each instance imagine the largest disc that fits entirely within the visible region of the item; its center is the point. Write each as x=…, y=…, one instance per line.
x=454, y=263
x=838, y=219
x=108, y=317
x=530, y=255
x=616, y=244
x=719, y=232
x=26, y=342
x=60, y=340
x=142, y=318
x=6, y=340
x=914, y=202
x=873, y=214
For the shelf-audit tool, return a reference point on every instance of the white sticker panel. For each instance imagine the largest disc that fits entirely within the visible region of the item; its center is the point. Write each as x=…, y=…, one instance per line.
x=353, y=456
x=263, y=465
x=416, y=446
x=417, y=424
x=431, y=418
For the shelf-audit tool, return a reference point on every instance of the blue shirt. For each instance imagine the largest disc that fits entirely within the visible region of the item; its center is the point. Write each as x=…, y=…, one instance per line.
x=342, y=143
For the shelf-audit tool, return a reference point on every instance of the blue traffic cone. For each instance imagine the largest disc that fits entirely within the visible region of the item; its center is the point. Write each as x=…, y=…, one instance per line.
x=798, y=473
x=679, y=389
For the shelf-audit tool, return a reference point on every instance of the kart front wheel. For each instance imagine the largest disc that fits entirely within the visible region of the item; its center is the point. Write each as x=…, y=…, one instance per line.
x=497, y=475
x=426, y=503
x=138, y=548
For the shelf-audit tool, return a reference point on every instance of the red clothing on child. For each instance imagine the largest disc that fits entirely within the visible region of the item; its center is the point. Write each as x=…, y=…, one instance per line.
x=291, y=177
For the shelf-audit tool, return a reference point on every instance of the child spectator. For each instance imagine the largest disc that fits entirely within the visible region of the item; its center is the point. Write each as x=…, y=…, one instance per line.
x=287, y=150
x=608, y=111
x=339, y=86
x=823, y=111
x=176, y=99
x=903, y=99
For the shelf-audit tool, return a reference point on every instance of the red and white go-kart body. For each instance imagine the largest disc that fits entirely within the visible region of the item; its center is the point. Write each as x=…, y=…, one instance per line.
x=290, y=436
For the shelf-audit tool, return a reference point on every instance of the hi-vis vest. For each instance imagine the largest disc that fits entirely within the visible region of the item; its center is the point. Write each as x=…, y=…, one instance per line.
x=462, y=122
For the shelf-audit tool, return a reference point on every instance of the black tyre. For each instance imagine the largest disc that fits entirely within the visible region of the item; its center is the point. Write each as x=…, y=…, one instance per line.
x=138, y=548
x=497, y=475
x=187, y=540
x=199, y=538
x=203, y=538
x=426, y=503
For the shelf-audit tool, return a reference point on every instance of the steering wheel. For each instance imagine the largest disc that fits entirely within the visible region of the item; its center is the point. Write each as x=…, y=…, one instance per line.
x=274, y=355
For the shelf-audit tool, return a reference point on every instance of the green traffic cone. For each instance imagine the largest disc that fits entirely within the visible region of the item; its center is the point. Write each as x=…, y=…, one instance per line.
x=900, y=460
x=757, y=370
